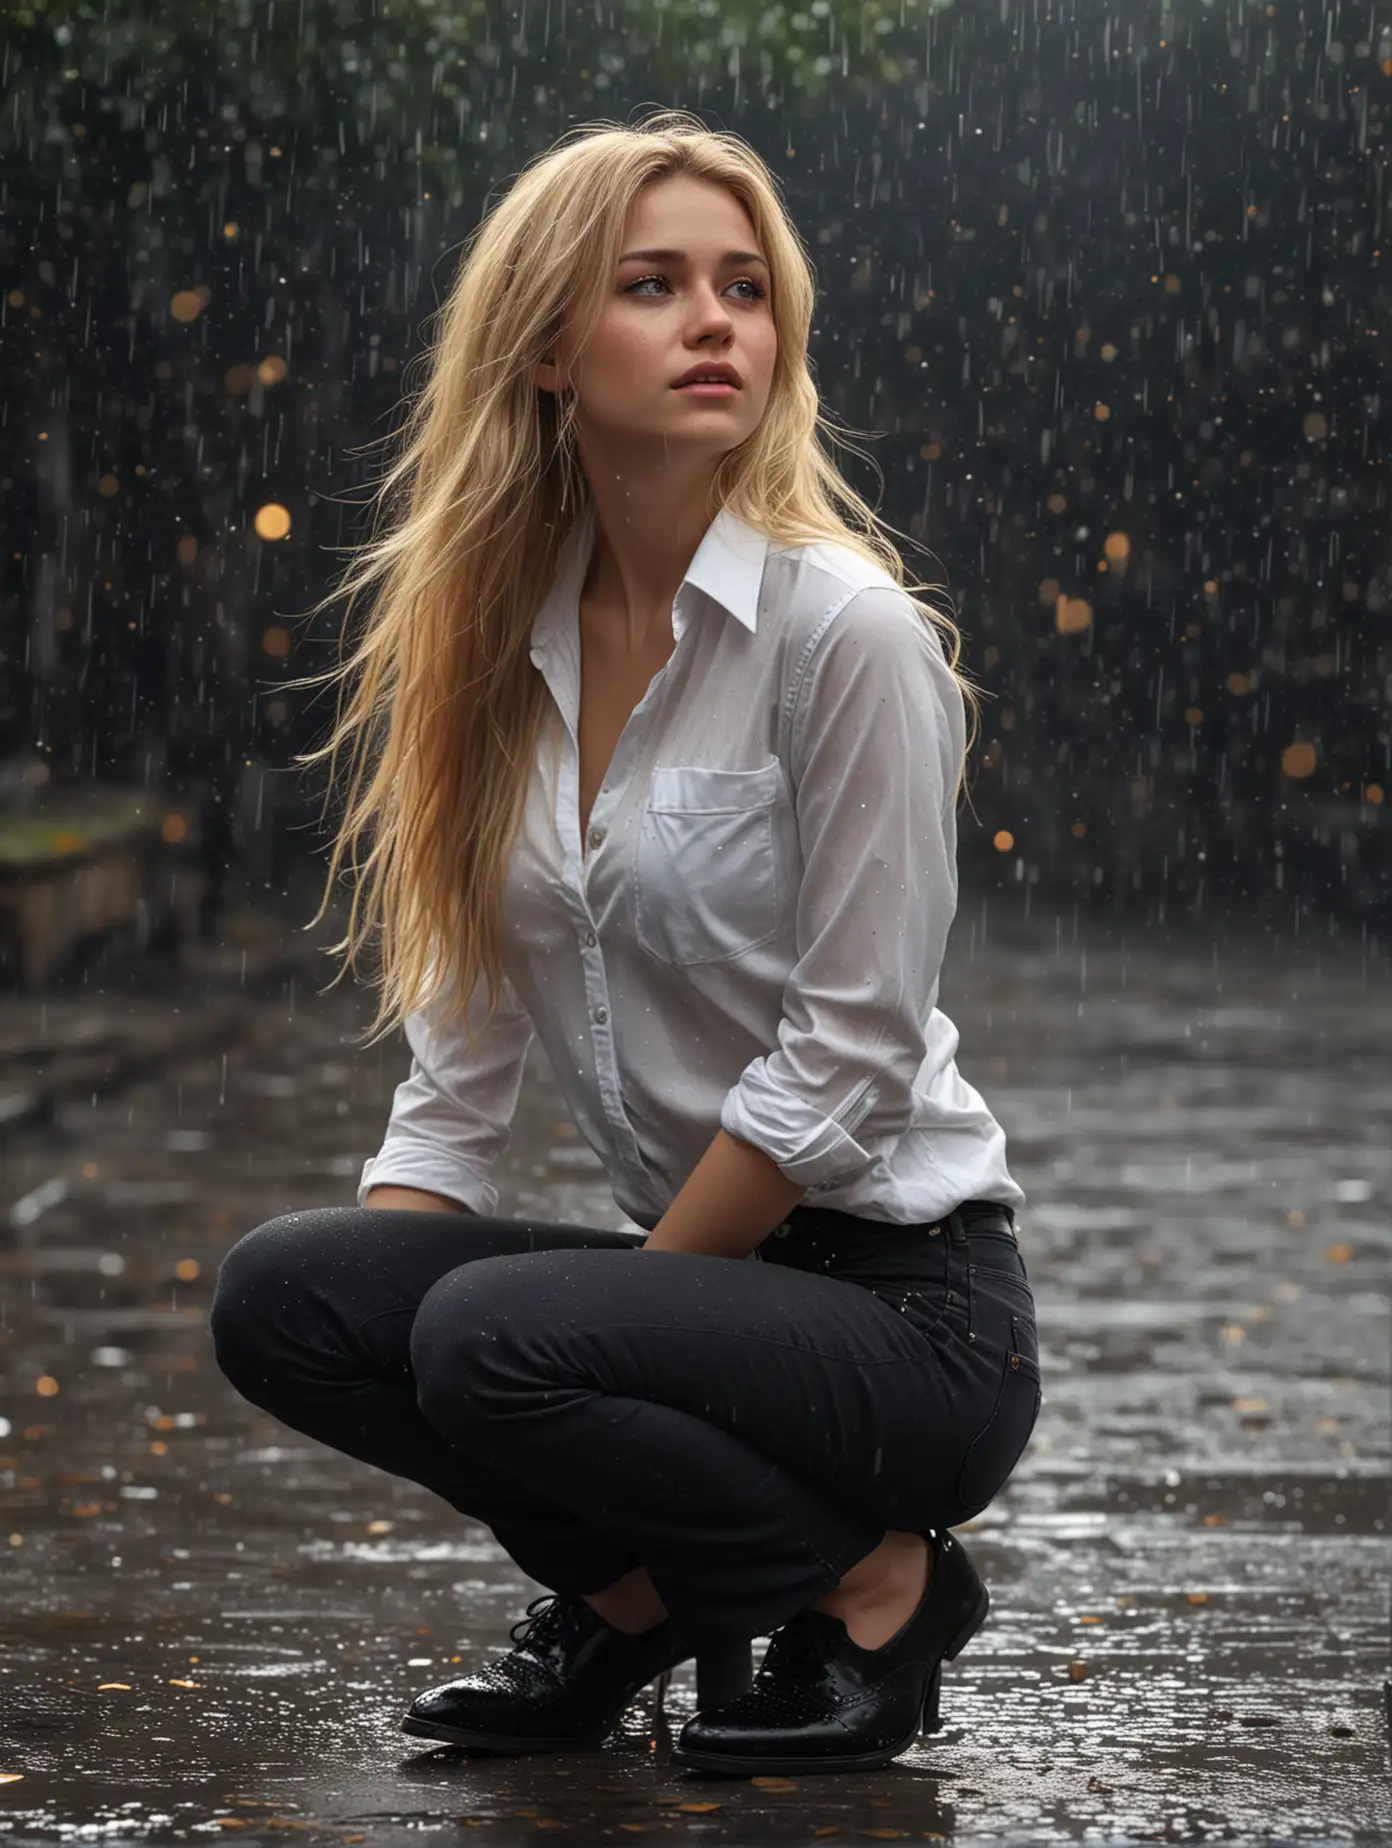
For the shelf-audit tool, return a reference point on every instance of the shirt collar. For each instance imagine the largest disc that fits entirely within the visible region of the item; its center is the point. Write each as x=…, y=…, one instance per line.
x=728, y=567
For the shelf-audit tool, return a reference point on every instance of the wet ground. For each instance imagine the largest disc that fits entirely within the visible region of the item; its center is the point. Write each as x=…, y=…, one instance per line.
x=211, y=1626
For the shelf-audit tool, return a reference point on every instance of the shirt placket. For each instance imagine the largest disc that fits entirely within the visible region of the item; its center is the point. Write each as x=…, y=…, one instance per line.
x=627, y=751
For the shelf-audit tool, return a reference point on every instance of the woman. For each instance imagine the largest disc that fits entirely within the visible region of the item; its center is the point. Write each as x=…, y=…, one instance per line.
x=668, y=756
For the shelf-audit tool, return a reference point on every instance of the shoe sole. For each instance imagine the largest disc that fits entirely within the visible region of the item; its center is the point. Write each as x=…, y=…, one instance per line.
x=733, y=1766
x=498, y=1742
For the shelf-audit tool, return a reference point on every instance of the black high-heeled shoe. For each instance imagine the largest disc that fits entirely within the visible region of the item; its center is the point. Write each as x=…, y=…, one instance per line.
x=565, y=1684
x=822, y=1703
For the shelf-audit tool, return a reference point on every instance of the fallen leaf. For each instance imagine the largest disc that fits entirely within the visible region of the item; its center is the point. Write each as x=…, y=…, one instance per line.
x=774, y=1783
x=185, y=1684
x=1077, y=1671
x=1198, y=1597
x=699, y=1809
x=123, y=1686
x=1339, y=1254
x=11, y=1777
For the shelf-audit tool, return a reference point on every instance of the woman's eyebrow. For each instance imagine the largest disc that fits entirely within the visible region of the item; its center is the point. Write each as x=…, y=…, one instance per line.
x=679, y=256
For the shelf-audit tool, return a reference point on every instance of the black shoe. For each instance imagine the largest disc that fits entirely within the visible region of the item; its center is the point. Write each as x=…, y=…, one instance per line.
x=563, y=1686
x=822, y=1703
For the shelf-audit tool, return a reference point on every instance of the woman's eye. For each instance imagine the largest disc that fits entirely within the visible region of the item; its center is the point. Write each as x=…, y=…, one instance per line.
x=745, y=282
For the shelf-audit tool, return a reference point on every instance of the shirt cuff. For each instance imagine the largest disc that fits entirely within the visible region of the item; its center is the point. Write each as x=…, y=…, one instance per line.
x=417, y=1167
x=811, y=1149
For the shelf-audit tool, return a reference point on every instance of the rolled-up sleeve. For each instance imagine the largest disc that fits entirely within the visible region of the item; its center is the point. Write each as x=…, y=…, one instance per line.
x=451, y=1117
x=877, y=738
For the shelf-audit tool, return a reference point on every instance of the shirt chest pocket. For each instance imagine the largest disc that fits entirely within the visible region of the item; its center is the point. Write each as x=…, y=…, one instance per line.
x=707, y=873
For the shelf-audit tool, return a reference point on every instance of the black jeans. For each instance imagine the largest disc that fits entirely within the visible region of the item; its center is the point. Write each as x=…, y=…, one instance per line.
x=747, y=1431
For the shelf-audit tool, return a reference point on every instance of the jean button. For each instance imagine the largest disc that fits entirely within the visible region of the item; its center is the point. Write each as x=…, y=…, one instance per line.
x=783, y=1230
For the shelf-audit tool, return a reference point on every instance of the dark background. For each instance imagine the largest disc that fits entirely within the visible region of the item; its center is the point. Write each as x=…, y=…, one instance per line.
x=1105, y=286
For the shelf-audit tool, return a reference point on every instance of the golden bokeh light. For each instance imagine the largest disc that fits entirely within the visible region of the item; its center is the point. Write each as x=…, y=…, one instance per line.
x=1298, y=760
x=271, y=369
x=272, y=521
x=1003, y=840
x=1072, y=615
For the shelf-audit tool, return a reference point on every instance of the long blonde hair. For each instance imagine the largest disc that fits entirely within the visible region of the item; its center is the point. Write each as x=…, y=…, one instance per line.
x=446, y=710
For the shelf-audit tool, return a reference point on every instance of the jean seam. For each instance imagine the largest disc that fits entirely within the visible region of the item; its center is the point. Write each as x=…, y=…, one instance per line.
x=378, y=1315
x=678, y=1328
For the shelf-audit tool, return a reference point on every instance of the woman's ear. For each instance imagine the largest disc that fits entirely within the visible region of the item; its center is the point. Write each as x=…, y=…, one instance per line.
x=548, y=375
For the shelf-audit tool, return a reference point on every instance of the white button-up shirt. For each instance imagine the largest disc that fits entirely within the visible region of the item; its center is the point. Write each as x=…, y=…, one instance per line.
x=751, y=932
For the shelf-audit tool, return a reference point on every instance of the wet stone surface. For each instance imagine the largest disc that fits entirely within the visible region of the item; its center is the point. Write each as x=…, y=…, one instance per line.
x=212, y=1626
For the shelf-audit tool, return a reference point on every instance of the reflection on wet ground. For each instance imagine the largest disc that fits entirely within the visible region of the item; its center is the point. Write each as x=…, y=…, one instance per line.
x=212, y=1626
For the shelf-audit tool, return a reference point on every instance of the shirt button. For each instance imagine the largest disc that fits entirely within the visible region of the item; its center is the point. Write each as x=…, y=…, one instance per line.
x=596, y=836
x=590, y=937
x=601, y=1014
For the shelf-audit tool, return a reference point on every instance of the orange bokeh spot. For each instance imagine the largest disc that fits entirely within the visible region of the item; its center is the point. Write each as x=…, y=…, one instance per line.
x=1072, y=615
x=272, y=521
x=1298, y=759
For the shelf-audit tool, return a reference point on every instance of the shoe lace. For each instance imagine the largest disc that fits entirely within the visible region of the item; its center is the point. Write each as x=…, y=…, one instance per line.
x=796, y=1651
x=537, y=1619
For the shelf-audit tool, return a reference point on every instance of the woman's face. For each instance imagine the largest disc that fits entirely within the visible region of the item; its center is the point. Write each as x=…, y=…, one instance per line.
x=699, y=295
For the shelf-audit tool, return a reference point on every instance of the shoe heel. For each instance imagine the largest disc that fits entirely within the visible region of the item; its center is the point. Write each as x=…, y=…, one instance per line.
x=932, y=1713
x=931, y=1721
x=723, y=1670
x=660, y=1687
x=970, y=1627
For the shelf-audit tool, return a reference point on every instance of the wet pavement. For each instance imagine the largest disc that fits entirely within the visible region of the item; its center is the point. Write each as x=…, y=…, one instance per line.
x=211, y=1626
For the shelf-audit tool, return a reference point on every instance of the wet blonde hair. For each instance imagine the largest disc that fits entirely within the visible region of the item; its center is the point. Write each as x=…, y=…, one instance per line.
x=445, y=713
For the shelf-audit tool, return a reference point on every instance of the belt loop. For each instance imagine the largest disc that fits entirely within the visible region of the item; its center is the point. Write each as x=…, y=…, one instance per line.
x=956, y=1226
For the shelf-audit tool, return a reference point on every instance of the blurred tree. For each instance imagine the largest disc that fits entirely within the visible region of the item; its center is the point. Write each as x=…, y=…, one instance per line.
x=1107, y=296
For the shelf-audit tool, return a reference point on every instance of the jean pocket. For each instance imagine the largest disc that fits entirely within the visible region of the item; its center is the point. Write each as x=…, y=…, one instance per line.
x=1001, y=1442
